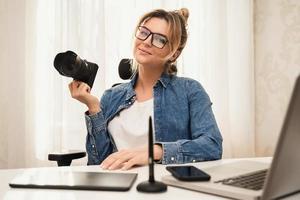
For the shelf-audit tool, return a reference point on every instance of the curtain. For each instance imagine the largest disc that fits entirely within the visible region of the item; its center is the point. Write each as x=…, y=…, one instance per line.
x=218, y=54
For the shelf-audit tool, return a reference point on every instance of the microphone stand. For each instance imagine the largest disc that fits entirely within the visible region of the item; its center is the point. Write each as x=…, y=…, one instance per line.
x=151, y=185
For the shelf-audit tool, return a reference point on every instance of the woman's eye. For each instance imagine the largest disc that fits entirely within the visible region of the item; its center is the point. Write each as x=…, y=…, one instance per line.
x=162, y=40
x=143, y=33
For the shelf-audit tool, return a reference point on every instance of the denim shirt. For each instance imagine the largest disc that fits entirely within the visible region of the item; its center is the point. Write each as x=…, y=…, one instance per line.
x=184, y=123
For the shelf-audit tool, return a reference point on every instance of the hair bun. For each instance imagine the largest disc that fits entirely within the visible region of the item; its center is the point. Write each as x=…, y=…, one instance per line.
x=184, y=12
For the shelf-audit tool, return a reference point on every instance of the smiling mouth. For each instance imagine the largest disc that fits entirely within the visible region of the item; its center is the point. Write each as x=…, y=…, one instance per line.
x=145, y=51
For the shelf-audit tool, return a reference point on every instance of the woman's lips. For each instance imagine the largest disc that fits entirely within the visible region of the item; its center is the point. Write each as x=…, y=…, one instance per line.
x=144, y=51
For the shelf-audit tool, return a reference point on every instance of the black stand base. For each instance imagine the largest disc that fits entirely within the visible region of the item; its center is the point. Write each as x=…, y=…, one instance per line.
x=151, y=187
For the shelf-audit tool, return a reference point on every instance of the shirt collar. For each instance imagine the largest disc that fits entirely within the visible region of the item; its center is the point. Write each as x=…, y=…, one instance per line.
x=163, y=80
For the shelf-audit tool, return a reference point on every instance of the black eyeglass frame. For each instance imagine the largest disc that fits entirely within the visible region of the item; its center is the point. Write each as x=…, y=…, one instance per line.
x=151, y=33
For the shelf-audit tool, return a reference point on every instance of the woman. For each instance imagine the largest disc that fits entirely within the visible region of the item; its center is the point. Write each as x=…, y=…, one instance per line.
x=184, y=124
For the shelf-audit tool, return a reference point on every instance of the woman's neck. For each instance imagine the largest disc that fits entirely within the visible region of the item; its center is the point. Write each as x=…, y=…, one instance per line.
x=149, y=75
x=147, y=78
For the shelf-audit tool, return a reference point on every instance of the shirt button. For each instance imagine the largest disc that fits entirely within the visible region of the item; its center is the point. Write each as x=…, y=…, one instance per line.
x=172, y=158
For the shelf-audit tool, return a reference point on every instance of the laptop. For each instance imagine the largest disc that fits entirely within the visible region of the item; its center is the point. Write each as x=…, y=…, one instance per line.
x=76, y=180
x=255, y=180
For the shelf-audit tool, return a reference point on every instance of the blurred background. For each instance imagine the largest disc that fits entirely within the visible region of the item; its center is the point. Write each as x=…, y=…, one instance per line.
x=244, y=52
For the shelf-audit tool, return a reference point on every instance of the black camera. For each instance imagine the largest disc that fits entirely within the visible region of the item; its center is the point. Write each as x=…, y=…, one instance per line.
x=71, y=65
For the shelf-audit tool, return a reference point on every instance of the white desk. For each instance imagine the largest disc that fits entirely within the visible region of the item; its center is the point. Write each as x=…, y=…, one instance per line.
x=173, y=193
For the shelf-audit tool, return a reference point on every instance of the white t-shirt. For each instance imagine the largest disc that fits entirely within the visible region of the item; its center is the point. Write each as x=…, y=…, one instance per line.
x=130, y=128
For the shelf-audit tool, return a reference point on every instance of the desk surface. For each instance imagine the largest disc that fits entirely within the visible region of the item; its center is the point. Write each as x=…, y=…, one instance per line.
x=173, y=193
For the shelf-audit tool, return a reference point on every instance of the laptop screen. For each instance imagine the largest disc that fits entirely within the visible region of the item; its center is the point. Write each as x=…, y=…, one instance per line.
x=284, y=175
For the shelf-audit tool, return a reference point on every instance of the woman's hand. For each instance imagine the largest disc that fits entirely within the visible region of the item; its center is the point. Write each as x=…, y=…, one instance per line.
x=127, y=158
x=81, y=91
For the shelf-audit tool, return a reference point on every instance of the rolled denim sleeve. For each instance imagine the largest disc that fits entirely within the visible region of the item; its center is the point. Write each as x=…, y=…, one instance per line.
x=98, y=141
x=171, y=153
x=206, y=140
x=94, y=122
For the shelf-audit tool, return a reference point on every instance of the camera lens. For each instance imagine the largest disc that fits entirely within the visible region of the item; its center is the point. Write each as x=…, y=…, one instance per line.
x=71, y=65
x=65, y=63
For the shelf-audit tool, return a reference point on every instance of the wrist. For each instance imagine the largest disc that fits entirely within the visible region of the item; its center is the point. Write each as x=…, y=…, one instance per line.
x=93, y=109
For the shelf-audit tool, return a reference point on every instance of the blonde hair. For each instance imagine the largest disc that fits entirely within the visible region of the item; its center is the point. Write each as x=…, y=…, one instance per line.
x=177, y=21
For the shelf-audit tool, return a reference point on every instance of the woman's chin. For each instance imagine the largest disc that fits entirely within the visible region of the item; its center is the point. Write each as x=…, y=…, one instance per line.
x=142, y=60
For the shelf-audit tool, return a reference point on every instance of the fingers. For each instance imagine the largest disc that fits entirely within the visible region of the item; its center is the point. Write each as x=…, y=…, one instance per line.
x=126, y=159
x=116, y=160
x=130, y=164
x=72, y=86
x=118, y=163
x=78, y=89
x=83, y=87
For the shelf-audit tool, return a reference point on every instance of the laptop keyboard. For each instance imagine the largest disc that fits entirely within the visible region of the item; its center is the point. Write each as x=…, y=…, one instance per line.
x=252, y=181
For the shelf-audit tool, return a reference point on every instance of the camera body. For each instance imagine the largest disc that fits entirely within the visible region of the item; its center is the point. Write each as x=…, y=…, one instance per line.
x=71, y=65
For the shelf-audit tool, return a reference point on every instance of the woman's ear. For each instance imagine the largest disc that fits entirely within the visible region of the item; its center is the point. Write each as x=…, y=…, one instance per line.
x=175, y=56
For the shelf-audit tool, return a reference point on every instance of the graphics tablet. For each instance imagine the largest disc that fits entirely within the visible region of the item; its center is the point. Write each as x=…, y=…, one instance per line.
x=74, y=180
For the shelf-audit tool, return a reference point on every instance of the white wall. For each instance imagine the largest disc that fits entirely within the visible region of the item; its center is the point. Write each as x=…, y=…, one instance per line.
x=12, y=102
x=277, y=63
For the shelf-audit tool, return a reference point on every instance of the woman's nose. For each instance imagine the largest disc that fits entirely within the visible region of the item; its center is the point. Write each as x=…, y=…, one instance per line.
x=148, y=41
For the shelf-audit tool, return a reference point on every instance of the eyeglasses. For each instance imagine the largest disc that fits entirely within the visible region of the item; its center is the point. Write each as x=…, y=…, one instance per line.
x=158, y=40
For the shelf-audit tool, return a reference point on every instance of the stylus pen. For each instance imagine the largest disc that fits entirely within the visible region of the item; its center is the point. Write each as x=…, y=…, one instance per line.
x=151, y=171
